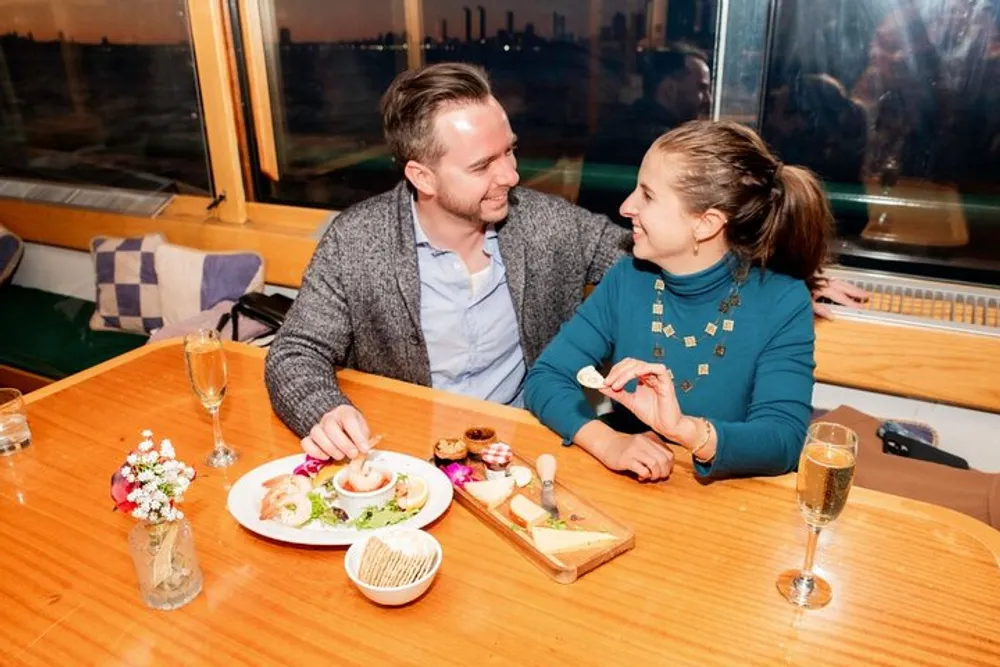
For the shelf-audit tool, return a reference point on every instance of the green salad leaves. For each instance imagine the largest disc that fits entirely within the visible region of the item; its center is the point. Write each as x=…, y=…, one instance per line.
x=380, y=517
x=321, y=511
x=373, y=517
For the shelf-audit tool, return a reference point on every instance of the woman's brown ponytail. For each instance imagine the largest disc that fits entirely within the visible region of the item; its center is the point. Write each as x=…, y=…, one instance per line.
x=795, y=233
x=778, y=215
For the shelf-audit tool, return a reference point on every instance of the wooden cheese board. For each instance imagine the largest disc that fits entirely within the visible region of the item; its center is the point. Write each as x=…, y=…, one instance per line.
x=580, y=521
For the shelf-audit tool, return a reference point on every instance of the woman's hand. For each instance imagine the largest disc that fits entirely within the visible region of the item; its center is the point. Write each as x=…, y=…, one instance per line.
x=644, y=454
x=653, y=401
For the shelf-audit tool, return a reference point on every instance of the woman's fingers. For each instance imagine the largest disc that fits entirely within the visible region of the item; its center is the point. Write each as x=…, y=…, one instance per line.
x=630, y=369
x=625, y=398
x=646, y=369
x=639, y=468
x=656, y=458
x=619, y=374
x=648, y=460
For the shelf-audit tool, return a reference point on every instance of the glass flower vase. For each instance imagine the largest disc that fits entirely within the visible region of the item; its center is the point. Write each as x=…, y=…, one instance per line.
x=166, y=564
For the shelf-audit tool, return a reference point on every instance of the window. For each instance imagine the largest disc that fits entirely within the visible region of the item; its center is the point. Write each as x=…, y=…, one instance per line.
x=587, y=86
x=101, y=93
x=894, y=104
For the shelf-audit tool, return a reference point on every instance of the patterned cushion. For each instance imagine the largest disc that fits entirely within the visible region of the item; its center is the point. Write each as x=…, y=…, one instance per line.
x=192, y=281
x=11, y=249
x=128, y=293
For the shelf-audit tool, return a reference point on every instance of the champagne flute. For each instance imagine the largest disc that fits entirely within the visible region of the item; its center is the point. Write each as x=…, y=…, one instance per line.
x=206, y=367
x=826, y=471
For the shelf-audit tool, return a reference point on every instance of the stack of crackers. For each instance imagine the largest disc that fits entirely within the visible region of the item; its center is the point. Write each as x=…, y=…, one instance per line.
x=385, y=567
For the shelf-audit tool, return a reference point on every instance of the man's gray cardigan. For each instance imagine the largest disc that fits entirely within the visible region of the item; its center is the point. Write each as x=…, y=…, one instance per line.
x=359, y=304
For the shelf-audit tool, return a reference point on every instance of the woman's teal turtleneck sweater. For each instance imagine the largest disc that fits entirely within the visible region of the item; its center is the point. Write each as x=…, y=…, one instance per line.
x=758, y=396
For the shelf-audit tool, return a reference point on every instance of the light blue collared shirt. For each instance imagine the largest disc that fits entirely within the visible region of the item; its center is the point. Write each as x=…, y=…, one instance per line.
x=473, y=341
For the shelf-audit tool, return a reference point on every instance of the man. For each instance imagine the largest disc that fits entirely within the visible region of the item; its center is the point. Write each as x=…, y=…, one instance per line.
x=455, y=279
x=676, y=88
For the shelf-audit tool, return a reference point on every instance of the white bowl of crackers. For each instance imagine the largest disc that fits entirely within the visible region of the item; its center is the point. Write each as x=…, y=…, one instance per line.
x=394, y=567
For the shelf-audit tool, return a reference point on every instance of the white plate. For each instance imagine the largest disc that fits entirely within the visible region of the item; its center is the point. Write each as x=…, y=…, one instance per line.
x=246, y=494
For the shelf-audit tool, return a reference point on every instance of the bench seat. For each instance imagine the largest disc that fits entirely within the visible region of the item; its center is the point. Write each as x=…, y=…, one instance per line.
x=49, y=335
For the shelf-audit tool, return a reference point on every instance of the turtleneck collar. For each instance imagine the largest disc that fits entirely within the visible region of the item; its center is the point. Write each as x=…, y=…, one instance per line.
x=706, y=282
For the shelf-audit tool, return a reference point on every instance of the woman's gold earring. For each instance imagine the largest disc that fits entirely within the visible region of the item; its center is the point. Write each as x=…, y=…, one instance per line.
x=696, y=244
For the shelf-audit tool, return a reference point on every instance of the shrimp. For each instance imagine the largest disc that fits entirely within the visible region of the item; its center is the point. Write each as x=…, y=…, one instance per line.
x=272, y=503
x=295, y=509
x=282, y=490
x=362, y=478
x=297, y=482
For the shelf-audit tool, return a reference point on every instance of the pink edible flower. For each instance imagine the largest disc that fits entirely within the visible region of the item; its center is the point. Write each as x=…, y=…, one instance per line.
x=311, y=466
x=459, y=473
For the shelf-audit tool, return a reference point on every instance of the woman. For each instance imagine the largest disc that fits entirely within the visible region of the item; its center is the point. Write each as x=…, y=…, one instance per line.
x=709, y=324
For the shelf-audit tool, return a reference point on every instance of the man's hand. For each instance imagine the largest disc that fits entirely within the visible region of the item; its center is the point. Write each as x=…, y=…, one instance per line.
x=341, y=433
x=840, y=292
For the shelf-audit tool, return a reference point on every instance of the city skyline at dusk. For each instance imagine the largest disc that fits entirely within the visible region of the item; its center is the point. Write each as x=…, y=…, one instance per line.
x=163, y=21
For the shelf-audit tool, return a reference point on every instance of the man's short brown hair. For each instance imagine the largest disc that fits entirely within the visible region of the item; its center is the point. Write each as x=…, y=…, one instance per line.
x=413, y=99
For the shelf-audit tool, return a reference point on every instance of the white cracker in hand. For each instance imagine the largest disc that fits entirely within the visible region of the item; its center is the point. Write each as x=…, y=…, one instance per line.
x=590, y=377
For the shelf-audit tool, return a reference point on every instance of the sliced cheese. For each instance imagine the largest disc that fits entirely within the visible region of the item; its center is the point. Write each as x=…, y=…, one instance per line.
x=526, y=513
x=554, y=541
x=522, y=475
x=491, y=492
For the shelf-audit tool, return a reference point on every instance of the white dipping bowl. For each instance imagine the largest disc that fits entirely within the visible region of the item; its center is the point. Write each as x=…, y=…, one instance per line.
x=355, y=503
x=393, y=596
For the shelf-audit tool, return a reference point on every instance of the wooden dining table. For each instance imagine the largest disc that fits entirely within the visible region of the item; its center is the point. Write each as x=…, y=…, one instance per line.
x=913, y=584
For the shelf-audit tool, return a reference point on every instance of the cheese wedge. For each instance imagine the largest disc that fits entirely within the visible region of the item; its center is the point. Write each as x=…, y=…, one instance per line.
x=491, y=492
x=526, y=513
x=554, y=541
x=522, y=475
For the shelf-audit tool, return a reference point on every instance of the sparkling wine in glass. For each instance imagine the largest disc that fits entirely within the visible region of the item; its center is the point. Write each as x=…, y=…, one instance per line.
x=826, y=471
x=206, y=367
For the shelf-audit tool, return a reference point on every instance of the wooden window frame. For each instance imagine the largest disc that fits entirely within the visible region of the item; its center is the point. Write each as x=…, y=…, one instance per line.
x=284, y=236
x=212, y=52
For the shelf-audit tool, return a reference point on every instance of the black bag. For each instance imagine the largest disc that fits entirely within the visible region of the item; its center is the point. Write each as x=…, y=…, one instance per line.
x=268, y=309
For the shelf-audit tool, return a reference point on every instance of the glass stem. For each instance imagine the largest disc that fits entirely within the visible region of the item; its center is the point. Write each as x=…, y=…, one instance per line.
x=220, y=445
x=807, y=569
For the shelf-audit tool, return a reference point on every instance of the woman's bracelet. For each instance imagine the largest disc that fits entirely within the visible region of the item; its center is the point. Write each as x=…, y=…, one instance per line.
x=704, y=441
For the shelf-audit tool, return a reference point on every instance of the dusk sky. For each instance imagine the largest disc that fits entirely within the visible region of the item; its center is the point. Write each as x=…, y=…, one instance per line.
x=159, y=21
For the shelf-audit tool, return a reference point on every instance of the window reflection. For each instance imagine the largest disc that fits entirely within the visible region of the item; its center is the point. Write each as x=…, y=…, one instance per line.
x=894, y=104
x=587, y=86
x=100, y=93
x=676, y=88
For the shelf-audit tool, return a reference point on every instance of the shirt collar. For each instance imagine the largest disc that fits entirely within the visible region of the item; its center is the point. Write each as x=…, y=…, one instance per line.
x=418, y=231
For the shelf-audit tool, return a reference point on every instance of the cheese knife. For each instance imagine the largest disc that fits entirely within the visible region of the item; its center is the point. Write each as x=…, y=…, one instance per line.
x=546, y=466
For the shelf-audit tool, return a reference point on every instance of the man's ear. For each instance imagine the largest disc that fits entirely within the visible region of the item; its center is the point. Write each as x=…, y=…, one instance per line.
x=710, y=224
x=421, y=177
x=666, y=92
